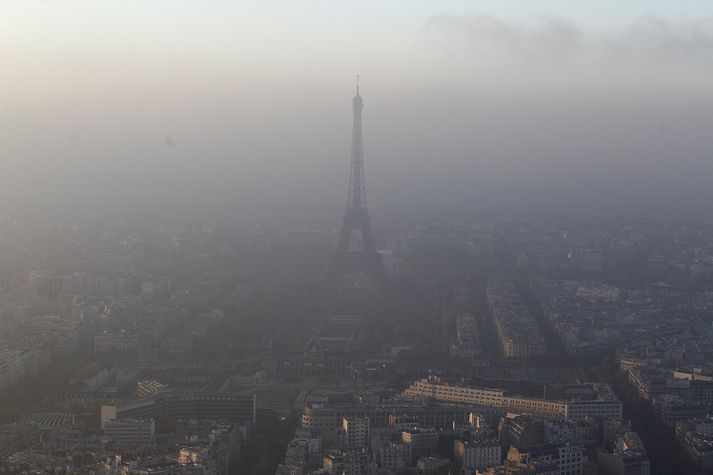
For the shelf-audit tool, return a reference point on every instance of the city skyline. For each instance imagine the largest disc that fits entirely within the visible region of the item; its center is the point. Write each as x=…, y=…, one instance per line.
x=187, y=288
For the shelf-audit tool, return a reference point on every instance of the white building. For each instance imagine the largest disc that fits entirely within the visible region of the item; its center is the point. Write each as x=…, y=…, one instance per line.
x=605, y=405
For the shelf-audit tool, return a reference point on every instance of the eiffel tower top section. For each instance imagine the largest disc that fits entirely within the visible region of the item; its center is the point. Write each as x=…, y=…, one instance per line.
x=356, y=199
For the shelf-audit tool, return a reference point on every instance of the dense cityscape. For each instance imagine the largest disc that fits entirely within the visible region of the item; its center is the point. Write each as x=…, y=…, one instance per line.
x=557, y=344
x=224, y=252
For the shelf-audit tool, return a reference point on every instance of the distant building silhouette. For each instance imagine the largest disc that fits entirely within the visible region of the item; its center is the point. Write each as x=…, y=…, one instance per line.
x=352, y=256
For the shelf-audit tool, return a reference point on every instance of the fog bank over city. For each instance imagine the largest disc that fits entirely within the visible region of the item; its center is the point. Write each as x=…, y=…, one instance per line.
x=356, y=237
x=250, y=107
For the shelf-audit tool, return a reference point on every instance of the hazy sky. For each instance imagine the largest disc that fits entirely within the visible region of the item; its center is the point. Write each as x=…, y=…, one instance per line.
x=159, y=101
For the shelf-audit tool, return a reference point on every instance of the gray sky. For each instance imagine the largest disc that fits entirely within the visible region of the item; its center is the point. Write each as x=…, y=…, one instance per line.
x=128, y=101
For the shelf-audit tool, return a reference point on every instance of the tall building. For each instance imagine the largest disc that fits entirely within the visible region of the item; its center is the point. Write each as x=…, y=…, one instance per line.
x=359, y=256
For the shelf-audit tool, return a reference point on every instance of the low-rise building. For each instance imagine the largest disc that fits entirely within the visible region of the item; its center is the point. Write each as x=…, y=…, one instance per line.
x=430, y=465
x=130, y=433
x=349, y=462
x=395, y=455
x=479, y=454
x=629, y=457
x=696, y=438
x=603, y=403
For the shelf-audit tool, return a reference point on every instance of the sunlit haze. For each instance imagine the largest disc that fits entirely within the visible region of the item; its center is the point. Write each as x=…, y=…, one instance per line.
x=356, y=237
x=224, y=100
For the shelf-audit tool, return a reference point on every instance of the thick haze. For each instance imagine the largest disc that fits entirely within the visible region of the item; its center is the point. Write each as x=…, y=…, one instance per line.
x=128, y=103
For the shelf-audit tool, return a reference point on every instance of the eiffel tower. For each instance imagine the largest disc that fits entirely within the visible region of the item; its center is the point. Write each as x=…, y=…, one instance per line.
x=357, y=256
